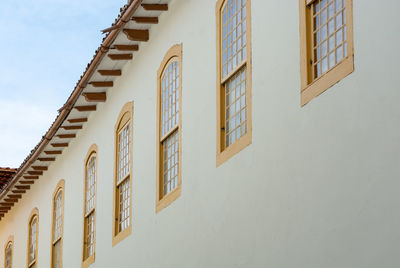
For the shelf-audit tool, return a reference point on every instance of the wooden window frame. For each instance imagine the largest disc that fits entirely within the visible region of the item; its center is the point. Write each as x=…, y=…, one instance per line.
x=60, y=187
x=310, y=87
x=172, y=55
x=34, y=214
x=224, y=153
x=86, y=262
x=125, y=116
x=10, y=240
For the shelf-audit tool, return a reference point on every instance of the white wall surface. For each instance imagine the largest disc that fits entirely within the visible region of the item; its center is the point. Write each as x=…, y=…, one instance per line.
x=318, y=186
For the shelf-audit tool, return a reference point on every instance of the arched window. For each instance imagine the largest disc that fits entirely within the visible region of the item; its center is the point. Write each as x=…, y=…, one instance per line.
x=58, y=225
x=89, y=212
x=33, y=227
x=122, y=223
x=8, y=253
x=234, y=78
x=169, y=127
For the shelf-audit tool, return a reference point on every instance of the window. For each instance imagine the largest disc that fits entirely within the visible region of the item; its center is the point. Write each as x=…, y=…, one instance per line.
x=326, y=36
x=169, y=118
x=89, y=208
x=233, y=78
x=8, y=252
x=33, y=239
x=122, y=225
x=58, y=226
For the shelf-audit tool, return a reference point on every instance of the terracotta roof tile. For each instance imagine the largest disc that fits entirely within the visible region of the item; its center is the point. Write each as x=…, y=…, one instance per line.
x=6, y=174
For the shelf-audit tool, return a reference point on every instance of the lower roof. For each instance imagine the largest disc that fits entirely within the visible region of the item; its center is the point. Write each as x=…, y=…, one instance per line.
x=6, y=174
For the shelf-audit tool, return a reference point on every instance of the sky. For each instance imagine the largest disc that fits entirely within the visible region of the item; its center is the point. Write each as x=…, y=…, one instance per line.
x=45, y=45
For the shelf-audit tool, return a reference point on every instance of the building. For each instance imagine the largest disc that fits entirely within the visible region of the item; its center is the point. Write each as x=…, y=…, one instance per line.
x=229, y=133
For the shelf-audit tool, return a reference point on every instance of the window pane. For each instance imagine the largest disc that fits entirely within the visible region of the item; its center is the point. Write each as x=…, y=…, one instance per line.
x=8, y=263
x=57, y=255
x=170, y=162
x=328, y=23
x=170, y=98
x=124, y=142
x=32, y=241
x=234, y=40
x=124, y=205
x=89, y=235
x=57, y=214
x=90, y=184
x=235, y=107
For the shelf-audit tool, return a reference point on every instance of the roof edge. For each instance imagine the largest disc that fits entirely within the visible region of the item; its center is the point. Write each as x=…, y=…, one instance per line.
x=81, y=84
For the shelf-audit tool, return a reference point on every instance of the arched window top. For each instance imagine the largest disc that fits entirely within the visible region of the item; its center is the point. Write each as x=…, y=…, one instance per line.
x=92, y=153
x=174, y=54
x=59, y=189
x=171, y=64
x=34, y=216
x=124, y=116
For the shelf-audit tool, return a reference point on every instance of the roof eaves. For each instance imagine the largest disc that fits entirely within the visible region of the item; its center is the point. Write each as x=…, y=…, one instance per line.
x=125, y=13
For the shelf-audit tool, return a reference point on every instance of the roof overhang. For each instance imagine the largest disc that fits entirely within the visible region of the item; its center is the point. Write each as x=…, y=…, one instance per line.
x=122, y=41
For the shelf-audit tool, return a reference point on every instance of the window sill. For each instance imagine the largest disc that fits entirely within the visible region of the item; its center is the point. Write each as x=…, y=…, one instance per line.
x=122, y=235
x=233, y=149
x=327, y=80
x=86, y=263
x=168, y=199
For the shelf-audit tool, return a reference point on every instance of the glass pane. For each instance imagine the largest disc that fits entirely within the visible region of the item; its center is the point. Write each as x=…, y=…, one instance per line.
x=324, y=16
x=324, y=32
x=331, y=43
x=339, y=37
x=339, y=53
x=324, y=49
x=57, y=216
x=32, y=241
x=339, y=21
x=331, y=59
x=171, y=162
x=124, y=205
x=235, y=37
x=338, y=5
x=91, y=182
x=324, y=65
x=89, y=235
x=57, y=255
x=331, y=27
x=170, y=95
x=331, y=10
x=8, y=260
x=235, y=87
x=124, y=141
x=329, y=37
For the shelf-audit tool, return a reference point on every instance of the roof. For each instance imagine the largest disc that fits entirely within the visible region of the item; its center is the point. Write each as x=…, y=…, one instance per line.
x=6, y=174
x=121, y=42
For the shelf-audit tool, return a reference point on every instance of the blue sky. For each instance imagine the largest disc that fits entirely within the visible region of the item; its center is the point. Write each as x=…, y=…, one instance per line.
x=45, y=45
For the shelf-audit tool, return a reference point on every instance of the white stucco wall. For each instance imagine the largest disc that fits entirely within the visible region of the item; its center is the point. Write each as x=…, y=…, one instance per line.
x=318, y=186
